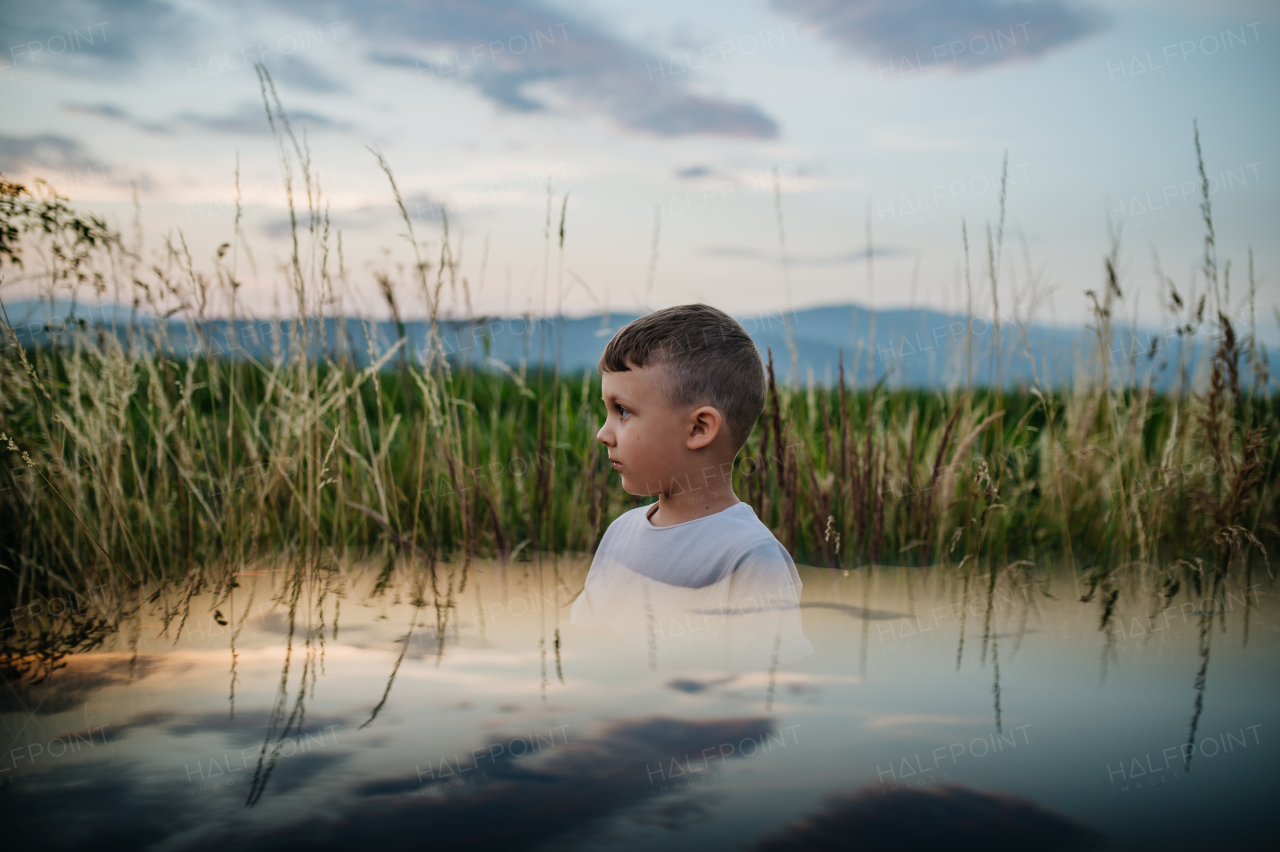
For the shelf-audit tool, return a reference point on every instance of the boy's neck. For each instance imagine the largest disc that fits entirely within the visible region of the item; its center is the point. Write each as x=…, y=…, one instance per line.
x=679, y=508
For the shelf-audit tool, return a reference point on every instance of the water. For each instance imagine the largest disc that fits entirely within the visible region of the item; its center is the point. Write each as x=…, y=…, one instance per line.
x=479, y=719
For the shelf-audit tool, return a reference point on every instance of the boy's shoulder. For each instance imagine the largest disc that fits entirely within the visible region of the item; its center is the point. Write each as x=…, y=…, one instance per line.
x=626, y=525
x=692, y=555
x=742, y=515
x=632, y=516
x=739, y=518
x=728, y=535
x=740, y=524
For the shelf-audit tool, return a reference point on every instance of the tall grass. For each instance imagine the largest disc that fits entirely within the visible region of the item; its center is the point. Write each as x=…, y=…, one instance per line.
x=129, y=466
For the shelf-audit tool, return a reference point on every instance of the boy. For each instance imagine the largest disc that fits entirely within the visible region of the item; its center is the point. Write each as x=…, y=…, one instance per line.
x=683, y=388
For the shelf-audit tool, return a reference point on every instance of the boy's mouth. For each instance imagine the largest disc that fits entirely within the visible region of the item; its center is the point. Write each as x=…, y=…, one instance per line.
x=617, y=465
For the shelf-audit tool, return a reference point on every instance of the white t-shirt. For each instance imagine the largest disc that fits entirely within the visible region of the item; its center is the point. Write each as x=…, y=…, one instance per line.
x=720, y=590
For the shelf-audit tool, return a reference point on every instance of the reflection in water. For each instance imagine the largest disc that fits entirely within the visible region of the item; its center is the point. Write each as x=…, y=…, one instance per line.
x=508, y=800
x=947, y=818
x=1206, y=622
x=472, y=705
x=715, y=591
x=723, y=624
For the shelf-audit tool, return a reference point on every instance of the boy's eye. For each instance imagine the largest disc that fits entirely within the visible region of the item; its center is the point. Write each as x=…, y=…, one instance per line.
x=622, y=412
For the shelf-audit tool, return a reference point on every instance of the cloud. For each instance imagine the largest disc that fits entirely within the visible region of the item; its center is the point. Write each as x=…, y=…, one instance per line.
x=297, y=772
x=422, y=210
x=72, y=685
x=800, y=259
x=112, y=112
x=253, y=722
x=693, y=686
x=84, y=37
x=45, y=151
x=103, y=806
x=249, y=119
x=300, y=74
x=520, y=55
x=393, y=59
x=551, y=793
x=146, y=719
x=523, y=802
x=950, y=817
x=548, y=790
x=692, y=172
x=970, y=34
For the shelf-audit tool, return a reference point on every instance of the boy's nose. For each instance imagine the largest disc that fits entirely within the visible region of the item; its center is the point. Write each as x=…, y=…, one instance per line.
x=604, y=436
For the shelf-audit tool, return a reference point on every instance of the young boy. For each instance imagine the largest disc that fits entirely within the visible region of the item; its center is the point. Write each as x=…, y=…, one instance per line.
x=683, y=388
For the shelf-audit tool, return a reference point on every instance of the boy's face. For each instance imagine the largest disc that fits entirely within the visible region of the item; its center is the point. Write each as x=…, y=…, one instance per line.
x=648, y=438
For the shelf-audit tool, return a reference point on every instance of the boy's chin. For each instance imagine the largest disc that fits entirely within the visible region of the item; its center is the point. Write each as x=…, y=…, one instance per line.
x=637, y=490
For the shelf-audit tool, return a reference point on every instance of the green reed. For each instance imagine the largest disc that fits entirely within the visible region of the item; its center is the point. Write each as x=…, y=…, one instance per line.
x=135, y=473
x=143, y=467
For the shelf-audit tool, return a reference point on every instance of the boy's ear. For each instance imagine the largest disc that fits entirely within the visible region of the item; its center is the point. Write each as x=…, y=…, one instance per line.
x=705, y=425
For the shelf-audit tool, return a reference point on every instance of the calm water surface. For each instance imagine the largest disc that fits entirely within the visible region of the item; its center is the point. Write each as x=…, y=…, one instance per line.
x=930, y=711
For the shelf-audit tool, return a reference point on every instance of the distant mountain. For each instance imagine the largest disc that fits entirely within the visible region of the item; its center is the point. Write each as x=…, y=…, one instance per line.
x=906, y=348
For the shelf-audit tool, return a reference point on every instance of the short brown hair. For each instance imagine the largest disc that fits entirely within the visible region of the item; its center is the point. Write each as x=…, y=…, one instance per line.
x=710, y=359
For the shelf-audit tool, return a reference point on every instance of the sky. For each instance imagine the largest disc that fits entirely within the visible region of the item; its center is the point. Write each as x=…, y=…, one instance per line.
x=760, y=146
